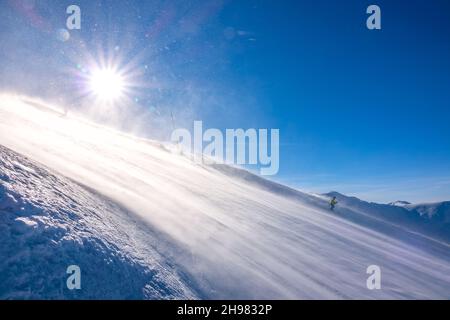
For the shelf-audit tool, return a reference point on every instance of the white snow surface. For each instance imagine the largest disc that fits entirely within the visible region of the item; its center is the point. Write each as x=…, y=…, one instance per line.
x=146, y=223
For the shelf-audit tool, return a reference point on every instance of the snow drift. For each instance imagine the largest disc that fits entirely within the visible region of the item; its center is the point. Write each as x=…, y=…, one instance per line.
x=143, y=222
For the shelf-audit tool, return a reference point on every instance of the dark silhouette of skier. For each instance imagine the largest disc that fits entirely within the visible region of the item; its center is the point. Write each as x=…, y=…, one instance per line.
x=333, y=203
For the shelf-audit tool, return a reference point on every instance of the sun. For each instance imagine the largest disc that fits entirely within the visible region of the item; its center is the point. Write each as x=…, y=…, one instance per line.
x=107, y=84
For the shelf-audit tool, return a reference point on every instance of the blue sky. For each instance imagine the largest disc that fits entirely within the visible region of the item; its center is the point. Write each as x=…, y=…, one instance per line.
x=361, y=112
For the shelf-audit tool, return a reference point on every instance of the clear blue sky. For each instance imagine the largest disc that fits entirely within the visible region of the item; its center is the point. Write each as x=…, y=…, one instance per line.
x=361, y=112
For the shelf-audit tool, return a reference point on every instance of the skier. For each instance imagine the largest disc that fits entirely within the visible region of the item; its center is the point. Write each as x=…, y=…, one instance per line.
x=333, y=202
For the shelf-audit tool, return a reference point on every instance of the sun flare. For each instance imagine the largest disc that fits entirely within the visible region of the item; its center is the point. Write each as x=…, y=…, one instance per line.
x=107, y=84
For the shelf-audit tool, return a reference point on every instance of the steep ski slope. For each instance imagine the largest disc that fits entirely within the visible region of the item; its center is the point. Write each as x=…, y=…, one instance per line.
x=210, y=234
x=48, y=222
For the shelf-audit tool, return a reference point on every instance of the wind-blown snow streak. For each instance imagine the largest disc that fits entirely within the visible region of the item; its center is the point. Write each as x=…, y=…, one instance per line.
x=227, y=237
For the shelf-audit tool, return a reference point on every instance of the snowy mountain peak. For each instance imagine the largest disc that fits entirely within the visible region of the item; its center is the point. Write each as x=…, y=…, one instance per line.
x=399, y=203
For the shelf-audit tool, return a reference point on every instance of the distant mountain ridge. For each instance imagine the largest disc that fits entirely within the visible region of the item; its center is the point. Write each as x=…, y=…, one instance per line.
x=438, y=211
x=430, y=218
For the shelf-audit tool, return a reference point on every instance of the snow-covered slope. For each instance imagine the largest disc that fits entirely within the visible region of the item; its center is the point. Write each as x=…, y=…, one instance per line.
x=48, y=222
x=142, y=222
